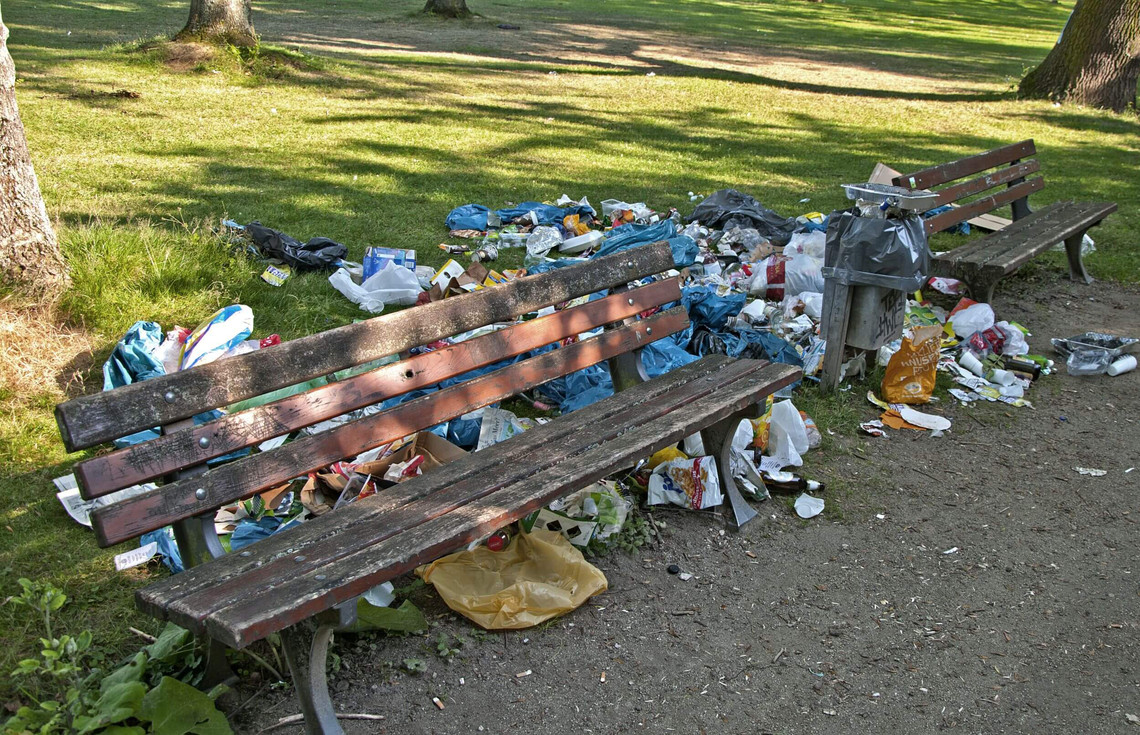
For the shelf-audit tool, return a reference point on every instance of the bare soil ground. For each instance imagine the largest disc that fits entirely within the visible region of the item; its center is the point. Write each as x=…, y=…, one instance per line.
x=859, y=621
x=975, y=582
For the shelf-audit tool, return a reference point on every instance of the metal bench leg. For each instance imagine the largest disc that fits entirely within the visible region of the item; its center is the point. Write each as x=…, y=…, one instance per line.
x=307, y=665
x=718, y=438
x=981, y=288
x=198, y=543
x=1076, y=263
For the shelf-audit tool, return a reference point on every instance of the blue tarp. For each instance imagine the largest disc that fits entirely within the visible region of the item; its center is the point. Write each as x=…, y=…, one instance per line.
x=468, y=217
x=624, y=237
x=547, y=214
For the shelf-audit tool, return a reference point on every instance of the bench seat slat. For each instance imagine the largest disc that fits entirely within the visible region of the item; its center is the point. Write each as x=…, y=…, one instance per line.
x=107, y=473
x=158, y=598
x=90, y=420
x=244, y=477
x=306, y=595
x=1014, y=232
x=963, y=167
x=1006, y=255
x=379, y=517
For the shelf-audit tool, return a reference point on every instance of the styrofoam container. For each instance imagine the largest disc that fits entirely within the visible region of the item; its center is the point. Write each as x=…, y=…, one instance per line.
x=581, y=243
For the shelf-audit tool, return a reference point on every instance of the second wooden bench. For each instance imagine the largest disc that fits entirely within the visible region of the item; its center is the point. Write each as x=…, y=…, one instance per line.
x=982, y=263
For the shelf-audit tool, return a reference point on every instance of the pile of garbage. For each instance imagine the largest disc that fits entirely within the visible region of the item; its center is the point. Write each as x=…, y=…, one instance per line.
x=753, y=285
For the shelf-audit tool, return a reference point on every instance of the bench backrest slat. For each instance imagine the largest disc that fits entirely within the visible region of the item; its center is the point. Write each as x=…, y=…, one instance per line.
x=109, y=472
x=258, y=472
x=954, y=193
x=940, y=222
x=963, y=167
x=90, y=420
x=1010, y=171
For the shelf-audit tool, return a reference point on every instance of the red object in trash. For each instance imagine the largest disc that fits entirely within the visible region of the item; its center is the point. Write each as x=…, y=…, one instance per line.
x=498, y=541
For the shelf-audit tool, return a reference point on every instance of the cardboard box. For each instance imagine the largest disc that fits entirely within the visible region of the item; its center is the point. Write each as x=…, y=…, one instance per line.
x=376, y=259
x=437, y=451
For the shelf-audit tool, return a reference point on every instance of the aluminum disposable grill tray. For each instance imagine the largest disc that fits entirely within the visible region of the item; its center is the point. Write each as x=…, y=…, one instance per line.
x=1110, y=343
x=917, y=200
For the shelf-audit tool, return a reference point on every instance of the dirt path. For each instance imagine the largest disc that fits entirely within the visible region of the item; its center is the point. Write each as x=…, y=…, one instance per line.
x=865, y=624
x=618, y=50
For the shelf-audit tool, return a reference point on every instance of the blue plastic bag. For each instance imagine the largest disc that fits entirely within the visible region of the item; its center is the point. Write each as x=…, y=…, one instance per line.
x=133, y=358
x=468, y=217
x=709, y=310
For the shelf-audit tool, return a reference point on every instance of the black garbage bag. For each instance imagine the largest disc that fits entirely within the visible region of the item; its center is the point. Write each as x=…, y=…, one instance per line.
x=878, y=251
x=730, y=208
x=317, y=253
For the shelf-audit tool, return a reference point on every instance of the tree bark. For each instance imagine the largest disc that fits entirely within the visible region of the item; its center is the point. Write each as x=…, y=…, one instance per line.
x=29, y=252
x=1096, y=61
x=227, y=21
x=448, y=8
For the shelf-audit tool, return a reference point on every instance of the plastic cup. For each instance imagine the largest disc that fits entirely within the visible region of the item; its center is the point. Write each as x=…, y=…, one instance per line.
x=1123, y=365
x=971, y=363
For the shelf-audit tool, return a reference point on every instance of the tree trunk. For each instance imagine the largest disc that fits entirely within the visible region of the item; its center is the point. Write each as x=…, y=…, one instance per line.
x=225, y=21
x=29, y=252
x=448, y=8
x=1096, y=61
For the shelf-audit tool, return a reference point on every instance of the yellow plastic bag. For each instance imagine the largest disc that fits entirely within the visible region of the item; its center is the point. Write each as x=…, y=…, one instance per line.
x=538, y=576
x=912, y=370
x=668, y=454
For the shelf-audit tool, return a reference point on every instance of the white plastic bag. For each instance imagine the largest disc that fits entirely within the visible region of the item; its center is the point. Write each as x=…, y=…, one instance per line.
x=743, y=467
x=1015, y=343
x=227, y=328
x=787, y=435
x=393, y=285
x=813, y=304
x=807, y=243
x=803, y=274
x=971, y=320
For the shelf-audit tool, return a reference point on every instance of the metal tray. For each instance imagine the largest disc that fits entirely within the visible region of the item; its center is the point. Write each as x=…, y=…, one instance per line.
x=1110, y=343
x=918, y=200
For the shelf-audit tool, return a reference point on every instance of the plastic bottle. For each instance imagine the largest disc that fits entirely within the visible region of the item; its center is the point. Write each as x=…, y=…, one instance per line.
x=1123, y=365
x=736, y=323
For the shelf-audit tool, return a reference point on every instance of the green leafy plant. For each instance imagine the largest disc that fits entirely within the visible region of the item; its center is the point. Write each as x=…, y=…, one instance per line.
x=444, y=648
x=82, y=699
x=636, y=532
x=415, y=665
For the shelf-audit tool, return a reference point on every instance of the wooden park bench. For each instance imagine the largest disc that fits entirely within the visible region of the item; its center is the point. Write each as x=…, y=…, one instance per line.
x=303, y=582
x=982, y=263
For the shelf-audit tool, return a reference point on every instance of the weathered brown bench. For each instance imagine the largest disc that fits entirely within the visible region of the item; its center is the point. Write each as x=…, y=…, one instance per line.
x=982, y=263
x=304, y=582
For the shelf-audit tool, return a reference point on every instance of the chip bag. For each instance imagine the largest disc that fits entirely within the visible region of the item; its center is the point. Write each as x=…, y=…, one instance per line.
x=912, y=370
x=689, y=483
x=761, y=426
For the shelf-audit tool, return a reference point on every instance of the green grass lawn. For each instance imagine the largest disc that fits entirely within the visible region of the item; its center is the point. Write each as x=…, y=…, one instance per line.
x=381, y=121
